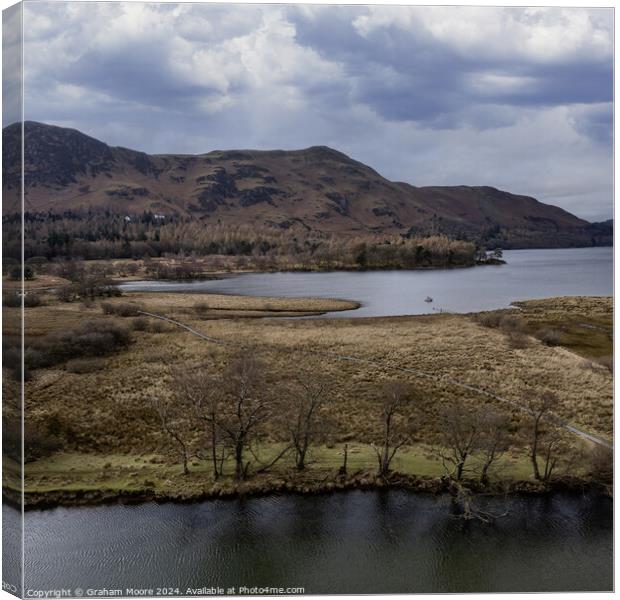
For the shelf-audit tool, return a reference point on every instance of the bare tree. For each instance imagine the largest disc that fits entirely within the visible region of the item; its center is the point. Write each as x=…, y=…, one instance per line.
x=345, y=458
x=306, y=424
x=200, y=392
x=395, y=395
x=460, y=432
x=173, y=424
x=245, y=406
x=492, y=441
x=467, y=506
x=544, y=440
x=471, y=435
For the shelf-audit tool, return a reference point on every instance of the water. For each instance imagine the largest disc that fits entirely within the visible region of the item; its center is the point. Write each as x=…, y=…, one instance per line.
x=528, y=274
x=356, y=542
x=347, y=542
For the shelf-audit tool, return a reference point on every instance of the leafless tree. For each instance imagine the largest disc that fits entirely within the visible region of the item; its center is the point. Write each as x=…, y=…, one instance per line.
x=468, y=507
x=460, y=433
x=544, y=437
x=245, y=406
x=395, y=395
x=306, y=425
x=492, y=441
x=173, y=425
x=200, y=392
x=474, y=436
x=345, y=458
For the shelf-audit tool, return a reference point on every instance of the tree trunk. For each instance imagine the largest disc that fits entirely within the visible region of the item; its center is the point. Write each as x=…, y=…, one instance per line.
x=459, y=470
x=343, y=468
x=484, y=476
x=222, y=459
x=535, y=466
x=534, y=455
x=184, y=452
x=216, y=472
x=301, y=459
x=239, y=471
x=384, y=464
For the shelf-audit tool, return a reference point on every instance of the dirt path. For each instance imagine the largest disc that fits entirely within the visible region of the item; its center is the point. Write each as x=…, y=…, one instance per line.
x=182, y=325
x=477, y=390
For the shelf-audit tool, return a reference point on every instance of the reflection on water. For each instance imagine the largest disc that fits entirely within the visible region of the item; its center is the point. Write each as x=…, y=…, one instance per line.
x=347, y=542
x=528, y=274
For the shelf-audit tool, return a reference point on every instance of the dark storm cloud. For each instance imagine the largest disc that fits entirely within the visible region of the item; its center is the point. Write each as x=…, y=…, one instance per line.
x=135, y=74
x=399, y=75
x=407, y=75
x=426, y=95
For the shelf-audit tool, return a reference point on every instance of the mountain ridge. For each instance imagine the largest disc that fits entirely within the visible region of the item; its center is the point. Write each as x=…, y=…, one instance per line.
x=316, y=189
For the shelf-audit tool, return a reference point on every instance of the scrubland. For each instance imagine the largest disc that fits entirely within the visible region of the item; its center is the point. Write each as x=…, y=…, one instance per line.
x=100, y=432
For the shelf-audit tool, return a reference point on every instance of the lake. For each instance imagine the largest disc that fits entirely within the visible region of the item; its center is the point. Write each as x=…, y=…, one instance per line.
x=528, y=274
x=353, y=542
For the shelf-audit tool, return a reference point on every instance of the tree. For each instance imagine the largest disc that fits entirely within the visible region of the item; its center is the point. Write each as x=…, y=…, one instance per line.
x=345, y=459
x=395, y=395
x=172, y=424
x=542, y=438
x=460, y=431
x=16, y=272
x=498, y=253
x=492, y=441
x=201, y=394
x=481, y=255
x=479, y=432
x=244, y=408
x=306, y=423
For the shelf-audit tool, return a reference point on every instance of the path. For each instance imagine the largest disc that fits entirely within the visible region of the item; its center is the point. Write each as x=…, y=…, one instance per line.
x=579, y=432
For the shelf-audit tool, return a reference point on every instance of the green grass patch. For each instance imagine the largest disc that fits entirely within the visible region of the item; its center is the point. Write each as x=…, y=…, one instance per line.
x=127, y=473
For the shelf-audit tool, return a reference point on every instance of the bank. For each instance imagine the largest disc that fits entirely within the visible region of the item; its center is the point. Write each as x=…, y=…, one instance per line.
x=261, y=486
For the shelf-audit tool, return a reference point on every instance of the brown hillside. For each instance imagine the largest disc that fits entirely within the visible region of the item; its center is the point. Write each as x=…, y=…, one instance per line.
x=316, y=189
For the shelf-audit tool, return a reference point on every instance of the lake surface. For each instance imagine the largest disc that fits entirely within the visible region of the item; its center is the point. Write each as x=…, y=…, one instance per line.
x=354, y=542
x=528, y=274
x=372, y=541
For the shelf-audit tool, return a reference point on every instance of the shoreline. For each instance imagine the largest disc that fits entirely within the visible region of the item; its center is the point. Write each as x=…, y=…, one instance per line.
x=257, y=489
x=220, y=275
x=126, y=473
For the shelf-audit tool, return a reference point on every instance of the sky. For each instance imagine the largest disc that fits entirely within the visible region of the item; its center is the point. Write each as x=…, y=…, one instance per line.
x=516, y=98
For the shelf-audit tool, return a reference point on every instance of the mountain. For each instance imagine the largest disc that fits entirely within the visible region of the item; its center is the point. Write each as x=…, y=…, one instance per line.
x=316, y=189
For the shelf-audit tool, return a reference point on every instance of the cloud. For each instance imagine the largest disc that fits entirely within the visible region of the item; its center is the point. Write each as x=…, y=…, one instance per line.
x=512, y=97
x=11, y=65
x=538, y=35
x=434, y=61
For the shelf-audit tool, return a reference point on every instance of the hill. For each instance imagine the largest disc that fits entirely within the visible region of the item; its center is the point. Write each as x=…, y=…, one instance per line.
x=317, y=189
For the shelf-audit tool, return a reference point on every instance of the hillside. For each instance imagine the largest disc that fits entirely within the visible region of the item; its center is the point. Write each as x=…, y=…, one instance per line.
x=315, y=190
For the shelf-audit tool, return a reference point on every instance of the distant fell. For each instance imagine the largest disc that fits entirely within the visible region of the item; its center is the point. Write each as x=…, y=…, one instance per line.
x=317, y=189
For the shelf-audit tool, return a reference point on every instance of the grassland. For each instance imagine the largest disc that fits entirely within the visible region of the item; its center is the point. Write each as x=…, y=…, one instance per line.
x=92, y=477
x=111, y=440
x=40, y=282
x=585, y=325
x=217, y=306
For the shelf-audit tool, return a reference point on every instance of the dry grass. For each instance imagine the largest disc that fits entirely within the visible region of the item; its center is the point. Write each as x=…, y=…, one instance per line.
x=583, y=324
x=57, y=315
x=210, y=305
x=108, y=412
x=40, y=282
